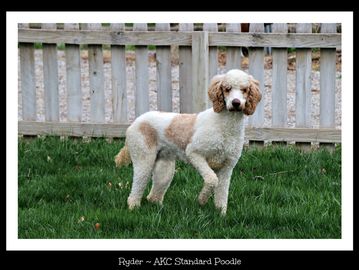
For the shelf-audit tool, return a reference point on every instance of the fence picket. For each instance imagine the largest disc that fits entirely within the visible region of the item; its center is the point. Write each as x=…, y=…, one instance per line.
x=73, y=78
x=185, y=73
x=51, y=82
x=256, y=69
x=279, y=81
x=199, y=70
x=28, y=85
x=97, y=91
x=142, y=93
x=233, y=54
x=327, y=81
x=303, y=81
x=119, y=91
x=164, y=79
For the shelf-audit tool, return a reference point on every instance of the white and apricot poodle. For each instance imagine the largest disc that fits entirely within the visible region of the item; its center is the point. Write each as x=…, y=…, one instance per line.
x=211, y=141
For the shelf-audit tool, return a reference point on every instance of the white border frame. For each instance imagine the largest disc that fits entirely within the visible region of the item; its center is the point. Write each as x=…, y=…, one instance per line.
x=12, y=241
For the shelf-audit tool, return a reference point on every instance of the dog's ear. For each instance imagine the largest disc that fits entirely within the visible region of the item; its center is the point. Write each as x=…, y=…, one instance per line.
x=253, y=96
x=215, y=93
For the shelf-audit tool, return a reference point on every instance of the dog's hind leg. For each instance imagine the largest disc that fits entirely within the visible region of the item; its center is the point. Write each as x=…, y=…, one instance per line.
x=142, y=170
x=162, y=177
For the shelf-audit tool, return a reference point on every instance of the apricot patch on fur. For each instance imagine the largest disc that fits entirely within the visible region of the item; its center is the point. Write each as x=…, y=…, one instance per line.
x=149, y=133
x=215, y=165
x=181, y=129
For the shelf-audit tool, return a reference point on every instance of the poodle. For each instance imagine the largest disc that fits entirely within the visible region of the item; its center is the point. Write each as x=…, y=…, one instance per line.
x=212, y=141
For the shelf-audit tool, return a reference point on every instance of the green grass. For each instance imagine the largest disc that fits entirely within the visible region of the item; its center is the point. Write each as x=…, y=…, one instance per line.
x=59, y=46
x=133, y=47
x=275, y=192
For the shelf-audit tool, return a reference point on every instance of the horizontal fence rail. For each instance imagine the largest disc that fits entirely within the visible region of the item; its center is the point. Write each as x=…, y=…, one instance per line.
x=275, y=40
x=198, y=52
x=117, y=131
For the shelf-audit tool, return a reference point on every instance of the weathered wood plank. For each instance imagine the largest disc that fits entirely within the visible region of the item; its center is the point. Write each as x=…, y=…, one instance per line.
x=185, y=72
x=200, y=70
x=328, y=135
x=72, y=129
x=97, y=87
x=27, y=76
x=213, y=54
x=73, y=78
x=256, y=69
x=294, y=134
x=119, y=90
x=279, y=81
x=276, y=40
x=164, y=79
x=303, y=98
x=106, y=37
x=142, y=94
x=51, y=80
x=327, y=81
x=233, y=58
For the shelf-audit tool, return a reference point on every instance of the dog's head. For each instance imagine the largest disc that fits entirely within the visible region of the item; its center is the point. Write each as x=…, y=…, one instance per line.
x=235, y=91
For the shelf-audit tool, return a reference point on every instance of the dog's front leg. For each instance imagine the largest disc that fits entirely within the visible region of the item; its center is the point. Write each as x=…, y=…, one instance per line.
x=209, y=176
x=221, y=191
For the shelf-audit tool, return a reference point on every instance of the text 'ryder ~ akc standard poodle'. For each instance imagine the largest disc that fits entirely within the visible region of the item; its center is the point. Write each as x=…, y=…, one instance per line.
x=212, y=141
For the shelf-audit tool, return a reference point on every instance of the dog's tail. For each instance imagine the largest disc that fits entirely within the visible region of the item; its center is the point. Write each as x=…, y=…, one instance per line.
x=123, y=158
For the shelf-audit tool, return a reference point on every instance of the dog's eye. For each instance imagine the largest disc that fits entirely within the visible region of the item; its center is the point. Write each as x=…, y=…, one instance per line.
x=228, y=88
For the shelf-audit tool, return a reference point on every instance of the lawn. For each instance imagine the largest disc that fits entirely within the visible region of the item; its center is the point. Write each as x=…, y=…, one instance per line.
x=68, y=186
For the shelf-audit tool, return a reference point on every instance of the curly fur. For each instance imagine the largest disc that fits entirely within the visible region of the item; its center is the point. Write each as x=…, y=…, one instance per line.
x=215, y=93
x=212, y=141
x=253, y=96
x=123, y=157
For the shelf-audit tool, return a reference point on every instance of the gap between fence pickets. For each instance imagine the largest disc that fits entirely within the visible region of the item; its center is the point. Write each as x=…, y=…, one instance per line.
x=274, y=40
x=325, y=135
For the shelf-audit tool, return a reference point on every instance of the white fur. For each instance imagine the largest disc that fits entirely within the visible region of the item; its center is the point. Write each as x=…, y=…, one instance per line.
x=237, y=78
x=217, y=138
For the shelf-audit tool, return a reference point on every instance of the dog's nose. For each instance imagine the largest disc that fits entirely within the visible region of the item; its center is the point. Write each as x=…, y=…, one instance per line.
x=236, y=103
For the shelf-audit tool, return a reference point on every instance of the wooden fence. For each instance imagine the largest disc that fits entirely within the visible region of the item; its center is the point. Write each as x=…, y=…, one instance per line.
x=197, y=64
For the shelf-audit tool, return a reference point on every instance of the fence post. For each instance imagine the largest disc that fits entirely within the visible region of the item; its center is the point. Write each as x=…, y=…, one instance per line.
x=303, y=98
x=213, y=56
x=200, y=70
x=119, y=90
x=97, y=91
x=185, y=73
x=233, y=59
x=142, y=103
x=279, y=85
x=256, y=69
x=27, y=73
x=51, y=81
x=164, y=78
x=327, y=83
x=73, y=78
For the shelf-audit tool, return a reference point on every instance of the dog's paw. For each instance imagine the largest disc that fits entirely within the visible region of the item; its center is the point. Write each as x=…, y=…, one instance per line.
x=203, y=198
x=154, y=199
x=133, y=203
x=223, y=210
x=220, y=204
